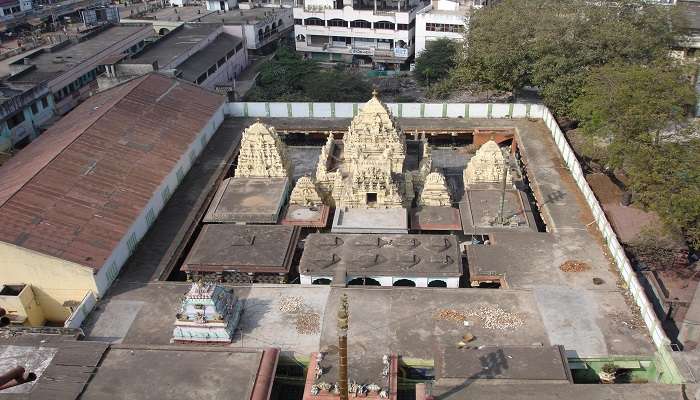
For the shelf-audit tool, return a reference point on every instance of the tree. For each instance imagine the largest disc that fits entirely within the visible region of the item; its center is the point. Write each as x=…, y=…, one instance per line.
x=288, y=77
x=666, y=179
x=553, y=44
x=633, y=105
x=436, y=61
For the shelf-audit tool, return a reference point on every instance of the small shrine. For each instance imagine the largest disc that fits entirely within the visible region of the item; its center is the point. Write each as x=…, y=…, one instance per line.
x=262, y=154
x=305, y=193
x=209, y=313
x=435, y=191
x=487, y=166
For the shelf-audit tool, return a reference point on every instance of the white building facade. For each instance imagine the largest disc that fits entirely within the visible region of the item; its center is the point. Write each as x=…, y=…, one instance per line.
x=442, y=19
x=378, y=33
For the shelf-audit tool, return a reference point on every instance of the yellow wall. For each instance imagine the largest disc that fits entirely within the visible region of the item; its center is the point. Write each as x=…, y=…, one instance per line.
x=53, y=280
x=24, y=306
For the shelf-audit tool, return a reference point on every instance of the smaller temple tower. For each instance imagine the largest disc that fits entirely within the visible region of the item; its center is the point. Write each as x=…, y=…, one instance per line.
x=262, y=154
x=435, y=191
x=305, y=193
x=209, y=313
x=487, y=166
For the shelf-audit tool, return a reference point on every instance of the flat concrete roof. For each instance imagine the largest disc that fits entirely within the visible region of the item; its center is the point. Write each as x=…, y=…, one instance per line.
x=175, y=372
x=248, y=200
x=381, y=255
x=545, y=391
x=242, y=17
x=370, y=220
x=188, y=13
x=63, y=365
x=481, y=206
x=313, y=217
x=435, y=219
x=205, y=58
x=512, y=363
x=175, y=43
x=243, y=248
x=49, y=65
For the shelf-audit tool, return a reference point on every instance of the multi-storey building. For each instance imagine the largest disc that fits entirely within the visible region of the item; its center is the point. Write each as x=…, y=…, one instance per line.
x=379, y=32
x=442, y=19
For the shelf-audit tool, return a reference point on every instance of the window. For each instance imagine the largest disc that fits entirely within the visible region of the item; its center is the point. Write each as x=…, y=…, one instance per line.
x=314, y=21
x=403, y=27
x=45, y=102
x=221, y=62
x=230, y=53
x=297, y=21
x=360, y=23
x=15, y=120
x=337, y=22
x=384, y=25
x=201, y=78
x=211, y=69
x=35, y=108
x=444, y=28
x=239, y=46
x=279, y=23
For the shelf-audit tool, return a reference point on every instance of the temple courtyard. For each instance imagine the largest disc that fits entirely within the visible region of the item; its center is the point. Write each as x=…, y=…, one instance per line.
x=514, y=268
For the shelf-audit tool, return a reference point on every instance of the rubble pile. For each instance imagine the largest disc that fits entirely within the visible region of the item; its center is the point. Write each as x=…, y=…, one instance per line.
x=574, y=266
x=306, y=320
x=308, y=323
x=448, y=314
x=495, y=318
x=291, y=304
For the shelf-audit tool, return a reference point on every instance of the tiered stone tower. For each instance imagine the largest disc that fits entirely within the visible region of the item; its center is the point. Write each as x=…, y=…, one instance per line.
x=262, y=154
x=487, y=166
x=371, y=172
x=435, y=191
x=305, y=193
x=209, y=313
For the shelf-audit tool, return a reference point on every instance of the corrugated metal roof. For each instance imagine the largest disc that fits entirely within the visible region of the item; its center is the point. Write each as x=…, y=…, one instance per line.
x=75, y=191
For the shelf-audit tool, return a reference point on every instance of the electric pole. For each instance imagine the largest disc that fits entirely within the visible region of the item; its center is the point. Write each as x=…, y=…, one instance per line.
x=500, y=220
x=343, y=347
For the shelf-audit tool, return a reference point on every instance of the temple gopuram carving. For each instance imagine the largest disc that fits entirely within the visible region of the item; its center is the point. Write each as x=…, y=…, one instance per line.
x=435, y=191
x=367, y=169
x=262, y=154
x=487, y=166
x=209, y=313
x=305, y=193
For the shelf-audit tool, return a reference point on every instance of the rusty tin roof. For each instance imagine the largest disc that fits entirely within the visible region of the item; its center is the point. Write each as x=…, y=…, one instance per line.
x=75, y=191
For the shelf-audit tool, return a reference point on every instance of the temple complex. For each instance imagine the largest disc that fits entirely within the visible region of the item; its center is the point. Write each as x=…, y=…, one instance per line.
x=209, y=313
x=487, y=166
x=262, y=154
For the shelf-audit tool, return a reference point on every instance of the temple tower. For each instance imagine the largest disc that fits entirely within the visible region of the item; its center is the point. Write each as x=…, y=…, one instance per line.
x=262, y=154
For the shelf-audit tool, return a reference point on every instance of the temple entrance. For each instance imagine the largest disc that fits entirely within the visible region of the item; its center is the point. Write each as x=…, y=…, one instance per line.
x=364, y=281
x=437, y=283
x=371, y=199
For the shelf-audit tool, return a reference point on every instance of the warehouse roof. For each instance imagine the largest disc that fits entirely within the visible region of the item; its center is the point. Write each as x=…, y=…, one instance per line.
x=75, y=191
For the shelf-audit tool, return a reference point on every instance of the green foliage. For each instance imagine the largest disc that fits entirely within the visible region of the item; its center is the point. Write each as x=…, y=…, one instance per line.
x=552, y=44
x=441, y=90
x=632, y=105
x=666, y=178
x=288, y=77
x=436, y=61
